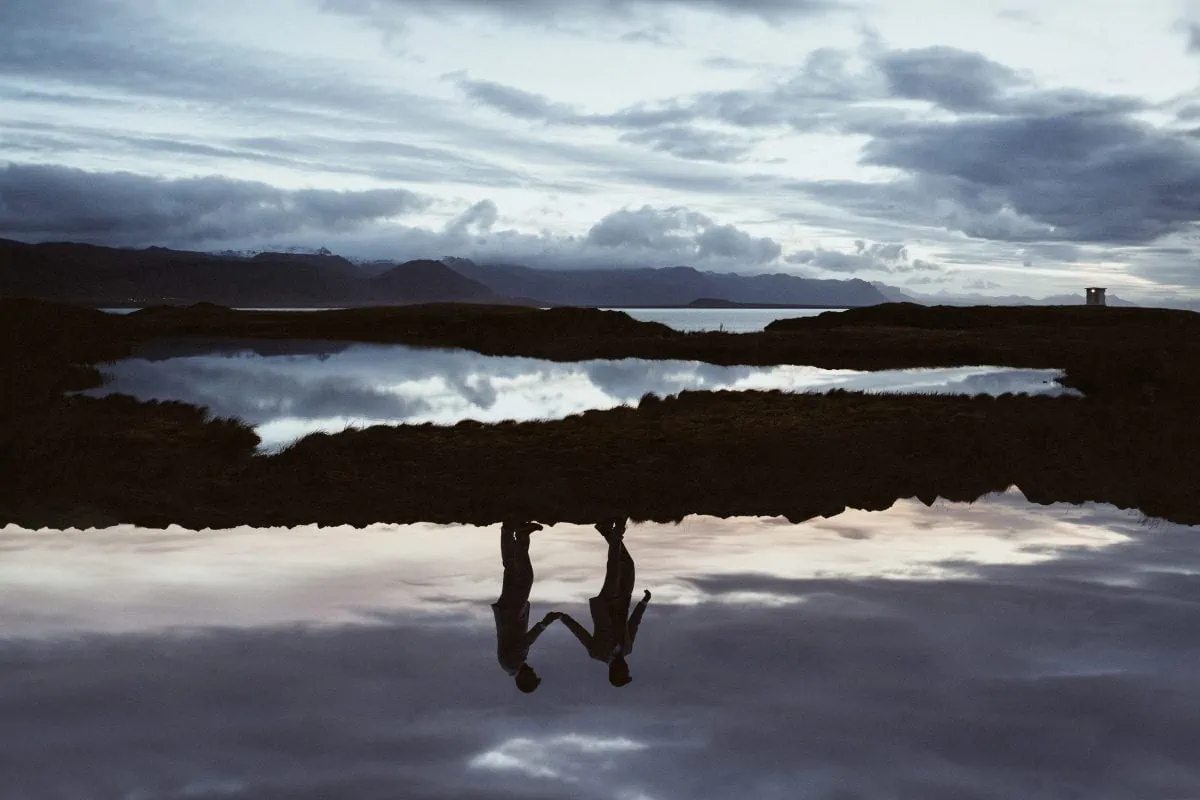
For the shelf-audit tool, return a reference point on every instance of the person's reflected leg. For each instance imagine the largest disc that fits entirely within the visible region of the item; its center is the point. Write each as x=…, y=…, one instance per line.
x=615, y=597
x=511, y=610
x=618, y=559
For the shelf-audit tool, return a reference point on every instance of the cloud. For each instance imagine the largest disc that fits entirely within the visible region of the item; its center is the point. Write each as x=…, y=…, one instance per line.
x=692, y=143
x=867, y=257
x=951, y=78
x=1081, y=178
x=121, y=208
x=478, y=220
x=663, y=129
x=832, y=91
x=683, y=234
x=512, y=101
x=544, y=11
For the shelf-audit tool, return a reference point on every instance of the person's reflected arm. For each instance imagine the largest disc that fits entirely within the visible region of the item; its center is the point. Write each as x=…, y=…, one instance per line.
x=635, y=618
x=537, y=630
x=580, y=632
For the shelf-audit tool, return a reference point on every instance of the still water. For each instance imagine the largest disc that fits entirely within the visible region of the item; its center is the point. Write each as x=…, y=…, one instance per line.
x=733, y=320
x=973, y=652
x=287, y=389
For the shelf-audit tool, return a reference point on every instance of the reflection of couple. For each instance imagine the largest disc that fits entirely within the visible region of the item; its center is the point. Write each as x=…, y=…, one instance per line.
x=613, y=627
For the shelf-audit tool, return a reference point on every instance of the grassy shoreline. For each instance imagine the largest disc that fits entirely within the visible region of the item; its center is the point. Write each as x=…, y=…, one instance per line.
x=1131, y=442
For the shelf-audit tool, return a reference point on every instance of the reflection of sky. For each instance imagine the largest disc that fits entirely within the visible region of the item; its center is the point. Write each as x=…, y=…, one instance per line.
x=984, y=651
x=731, y=320
x=288, y=389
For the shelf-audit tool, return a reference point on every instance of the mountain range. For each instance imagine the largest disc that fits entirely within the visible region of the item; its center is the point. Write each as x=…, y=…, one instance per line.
x=106, y=276
x=895, y=295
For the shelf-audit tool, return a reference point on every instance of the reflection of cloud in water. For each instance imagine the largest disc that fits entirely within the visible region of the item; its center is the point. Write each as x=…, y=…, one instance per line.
x=288, y=389
x=996, y=650
x=127, y=579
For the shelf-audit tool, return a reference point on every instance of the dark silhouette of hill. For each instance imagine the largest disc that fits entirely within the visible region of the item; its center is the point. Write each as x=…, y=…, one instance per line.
x=425, y=281
x=93, y=275
x=105, y=276
x=668, y=286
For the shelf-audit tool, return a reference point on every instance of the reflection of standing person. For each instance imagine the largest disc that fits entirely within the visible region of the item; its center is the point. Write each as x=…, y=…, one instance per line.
x=514, y=637
x=614, y=629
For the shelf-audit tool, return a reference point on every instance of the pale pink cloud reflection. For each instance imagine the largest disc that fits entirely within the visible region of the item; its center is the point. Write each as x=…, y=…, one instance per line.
x=127, y=579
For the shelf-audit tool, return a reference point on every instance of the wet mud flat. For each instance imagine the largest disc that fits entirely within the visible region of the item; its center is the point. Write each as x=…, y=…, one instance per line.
x=1130, y=441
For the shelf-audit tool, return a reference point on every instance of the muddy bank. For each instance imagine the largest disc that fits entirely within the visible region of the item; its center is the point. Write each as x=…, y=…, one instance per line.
x=1132, y=442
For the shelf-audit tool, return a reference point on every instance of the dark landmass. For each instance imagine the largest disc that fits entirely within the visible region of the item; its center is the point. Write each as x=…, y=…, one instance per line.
x=71, y=460
x=106, y=276
x=664, y=287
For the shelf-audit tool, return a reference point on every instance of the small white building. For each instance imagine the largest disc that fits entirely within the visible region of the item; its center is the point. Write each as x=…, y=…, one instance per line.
x=1095, y=296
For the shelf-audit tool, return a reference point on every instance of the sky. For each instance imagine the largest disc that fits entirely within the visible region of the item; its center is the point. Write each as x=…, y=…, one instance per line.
x=959, y=652
x=997, y=146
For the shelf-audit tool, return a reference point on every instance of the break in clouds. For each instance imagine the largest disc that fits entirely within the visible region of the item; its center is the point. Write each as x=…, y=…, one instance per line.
x=784, y=134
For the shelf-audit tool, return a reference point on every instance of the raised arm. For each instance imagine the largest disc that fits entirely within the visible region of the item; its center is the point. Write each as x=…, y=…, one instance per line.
x=580, y=632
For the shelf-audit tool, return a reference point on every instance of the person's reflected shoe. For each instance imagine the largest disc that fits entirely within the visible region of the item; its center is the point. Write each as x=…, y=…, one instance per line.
x=527, y=527
x=611, y=531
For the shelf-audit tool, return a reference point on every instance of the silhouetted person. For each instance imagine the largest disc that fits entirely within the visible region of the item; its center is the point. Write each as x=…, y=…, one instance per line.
x=514, y=637
x=614, y=629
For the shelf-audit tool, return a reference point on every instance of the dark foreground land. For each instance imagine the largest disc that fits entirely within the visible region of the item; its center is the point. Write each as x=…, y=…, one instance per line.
x=1132, y=441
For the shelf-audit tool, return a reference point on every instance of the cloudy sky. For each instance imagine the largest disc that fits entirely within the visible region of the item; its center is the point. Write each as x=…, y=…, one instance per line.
x=997, y=146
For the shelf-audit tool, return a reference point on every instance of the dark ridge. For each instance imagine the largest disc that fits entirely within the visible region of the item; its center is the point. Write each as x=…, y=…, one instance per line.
x=426, y=282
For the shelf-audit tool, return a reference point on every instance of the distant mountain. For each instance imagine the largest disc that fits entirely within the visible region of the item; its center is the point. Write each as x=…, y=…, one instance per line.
x=669, y=286
x=949, y=299
x=893, y=294
x=109, y=276
x=426, y=281
x=106, y=276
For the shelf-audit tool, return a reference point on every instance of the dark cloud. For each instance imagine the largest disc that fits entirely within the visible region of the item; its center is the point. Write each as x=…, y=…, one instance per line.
x=1193, y=38
x=951, y=78
x=119, y=208
x=682, y=233
x=1081, y=178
